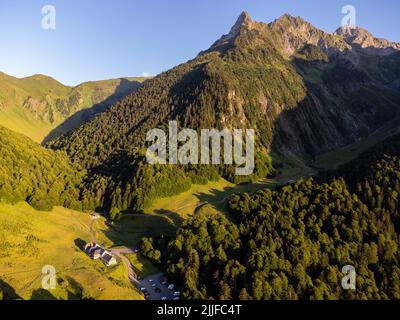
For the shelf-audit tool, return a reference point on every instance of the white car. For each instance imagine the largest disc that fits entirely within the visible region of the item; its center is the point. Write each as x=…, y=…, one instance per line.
x=143, y=289
x=153, y=285
x=177, y=294
x=176, y=298
x=164, y=298
x=171, y=287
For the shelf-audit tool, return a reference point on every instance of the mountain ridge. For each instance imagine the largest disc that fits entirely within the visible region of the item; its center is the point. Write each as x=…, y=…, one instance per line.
x=365, y=39
x=300, y=90
x=37, y=104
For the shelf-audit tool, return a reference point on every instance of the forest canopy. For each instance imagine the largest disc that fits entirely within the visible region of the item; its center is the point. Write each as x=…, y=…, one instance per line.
x=41, y=177
x=292, y=243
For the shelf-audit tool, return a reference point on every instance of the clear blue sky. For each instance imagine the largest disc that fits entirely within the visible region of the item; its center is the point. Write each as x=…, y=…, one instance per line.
x=114, y=38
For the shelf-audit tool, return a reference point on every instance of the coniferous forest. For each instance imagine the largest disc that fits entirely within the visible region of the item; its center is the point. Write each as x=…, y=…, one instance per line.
x=292, y=243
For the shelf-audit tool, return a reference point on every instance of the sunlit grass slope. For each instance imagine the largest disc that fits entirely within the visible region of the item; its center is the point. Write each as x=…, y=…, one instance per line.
x=37, y=104
x=30, y=239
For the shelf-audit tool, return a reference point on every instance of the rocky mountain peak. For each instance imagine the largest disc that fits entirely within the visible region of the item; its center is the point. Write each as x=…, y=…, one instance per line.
x=244, y=21
x=366, y=40
x=289, y=20
x=294, y=33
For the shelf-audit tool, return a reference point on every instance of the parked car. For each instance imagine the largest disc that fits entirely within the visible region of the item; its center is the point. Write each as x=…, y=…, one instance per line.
x=164, y=298
x=143, y=289
x=153, y=285
x=163, y=280
x=171, y=287
x=177, y=294
x=176, y=298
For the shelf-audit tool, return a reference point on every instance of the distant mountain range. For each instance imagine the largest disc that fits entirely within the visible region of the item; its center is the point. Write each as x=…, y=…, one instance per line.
x=37, y=104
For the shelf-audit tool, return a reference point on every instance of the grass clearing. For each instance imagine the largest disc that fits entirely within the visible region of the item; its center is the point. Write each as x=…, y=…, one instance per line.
x=129, y=231
x=142, y=266
x=215, y=193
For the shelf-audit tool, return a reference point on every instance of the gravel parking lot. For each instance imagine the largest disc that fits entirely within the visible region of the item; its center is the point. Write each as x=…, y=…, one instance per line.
x=152, y=284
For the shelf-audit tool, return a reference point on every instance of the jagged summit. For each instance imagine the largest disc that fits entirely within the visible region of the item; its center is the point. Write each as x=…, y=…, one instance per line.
x=294, y=33
x=288, y=18
x=365, y=39
x=351, y=31
x=243, y=21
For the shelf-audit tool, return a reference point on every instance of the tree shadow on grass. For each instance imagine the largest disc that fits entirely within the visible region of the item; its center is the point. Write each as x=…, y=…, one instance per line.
x=218, y=199
x=129, y=230
x=42, y=294
x=75, y=290
x=175, y=217
x=80, y=244
x=7, y=291
x=71, y=286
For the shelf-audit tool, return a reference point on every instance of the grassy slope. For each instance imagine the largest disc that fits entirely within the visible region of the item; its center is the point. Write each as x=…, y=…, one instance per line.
x=142, y=266
x=17, y=120
x=130, y=230
x=49, y=238
x=213, y=193
x=14, y=91
x=30, y=239
x=332, y=160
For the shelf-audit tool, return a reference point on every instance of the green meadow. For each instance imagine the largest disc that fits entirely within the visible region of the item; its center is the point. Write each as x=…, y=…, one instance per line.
x=30, y=240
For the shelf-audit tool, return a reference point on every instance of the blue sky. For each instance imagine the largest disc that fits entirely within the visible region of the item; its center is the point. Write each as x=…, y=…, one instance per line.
x=114, y=38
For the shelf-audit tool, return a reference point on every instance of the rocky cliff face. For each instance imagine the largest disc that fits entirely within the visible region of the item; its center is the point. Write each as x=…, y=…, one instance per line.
x=365, y=40
x=293, y=33
x=349, y=82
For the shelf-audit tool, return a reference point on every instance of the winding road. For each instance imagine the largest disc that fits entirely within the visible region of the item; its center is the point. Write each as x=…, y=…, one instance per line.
x=149, y=284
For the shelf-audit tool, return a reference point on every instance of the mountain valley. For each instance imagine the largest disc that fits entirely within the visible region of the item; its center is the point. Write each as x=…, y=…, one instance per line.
x=325, y=108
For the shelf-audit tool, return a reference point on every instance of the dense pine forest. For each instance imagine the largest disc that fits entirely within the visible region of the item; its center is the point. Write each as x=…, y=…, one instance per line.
x=41, y=177
x=292, y=243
